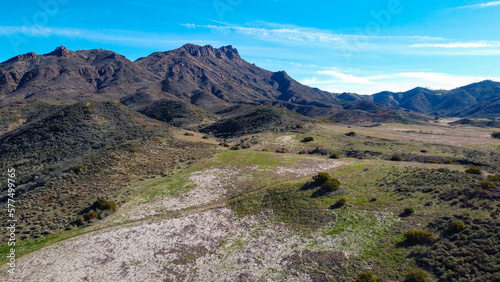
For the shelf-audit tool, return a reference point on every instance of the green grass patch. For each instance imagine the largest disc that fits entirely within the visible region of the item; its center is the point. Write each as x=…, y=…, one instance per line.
x=297, y=208
x=28, y=246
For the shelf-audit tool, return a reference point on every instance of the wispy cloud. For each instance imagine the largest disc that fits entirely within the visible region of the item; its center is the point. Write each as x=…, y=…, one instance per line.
x=453, y=45
x=334, y=80
x=122, y=37
x=292, y=36
x=480, y=6
x=303, y=34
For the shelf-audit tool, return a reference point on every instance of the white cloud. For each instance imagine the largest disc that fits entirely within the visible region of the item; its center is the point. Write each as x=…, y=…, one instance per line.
x=483, y=5
x=302, y=34
x=112, y=36
x=453, y=45
x=395, y=82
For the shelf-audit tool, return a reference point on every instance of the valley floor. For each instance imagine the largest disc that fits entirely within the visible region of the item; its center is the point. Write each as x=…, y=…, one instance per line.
x=254, y=214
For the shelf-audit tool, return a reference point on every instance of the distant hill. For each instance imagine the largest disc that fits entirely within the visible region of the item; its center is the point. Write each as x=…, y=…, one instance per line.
x=477, y=100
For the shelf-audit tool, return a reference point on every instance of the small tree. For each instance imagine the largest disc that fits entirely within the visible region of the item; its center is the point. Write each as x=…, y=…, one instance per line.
x=321, y=178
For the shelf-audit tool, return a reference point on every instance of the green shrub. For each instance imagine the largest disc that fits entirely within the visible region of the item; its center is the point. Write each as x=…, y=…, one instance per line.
x=331, y=185
x=321, y=178
x=341, y=202
x=419, y=237
x=474, y=170
x=417, y=276
x=103, y=205
x=308, y=139
x=335, y=156
x=366, y=277
x=281, y=151
x=409, y=211
x=456, y=226
x=91, y=215
x=224, y=144
x=494, y=177
x=351, y=134
x=495, y=135
x=435, y=162
x=235, y=148
x=80, y=220
x=205, y=137
x=133, y=150
x=396, y=158
x=486, y=184
x=78, y=168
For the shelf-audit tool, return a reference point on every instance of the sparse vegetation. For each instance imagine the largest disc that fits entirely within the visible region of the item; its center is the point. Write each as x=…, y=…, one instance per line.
x=366, y=277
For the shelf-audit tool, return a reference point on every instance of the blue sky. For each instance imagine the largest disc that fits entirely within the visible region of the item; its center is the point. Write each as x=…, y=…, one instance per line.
x=355, y=46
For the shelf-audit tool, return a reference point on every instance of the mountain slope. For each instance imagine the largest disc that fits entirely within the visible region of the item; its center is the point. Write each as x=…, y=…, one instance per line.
x=69, y=76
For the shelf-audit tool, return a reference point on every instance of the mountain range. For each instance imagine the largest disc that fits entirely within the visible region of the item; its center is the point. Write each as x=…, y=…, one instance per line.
x=178, y=85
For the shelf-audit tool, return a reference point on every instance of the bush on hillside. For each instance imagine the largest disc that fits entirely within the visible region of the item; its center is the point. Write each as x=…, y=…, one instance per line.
x=331, y=185
x=308, y=139
x=474, y=170
x=321, y=178
x=419, y=237
x=417, y=276
x=396, y=158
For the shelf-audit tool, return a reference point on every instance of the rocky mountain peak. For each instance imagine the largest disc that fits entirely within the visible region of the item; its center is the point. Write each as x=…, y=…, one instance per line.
x=60, y=51
x=208, y=51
